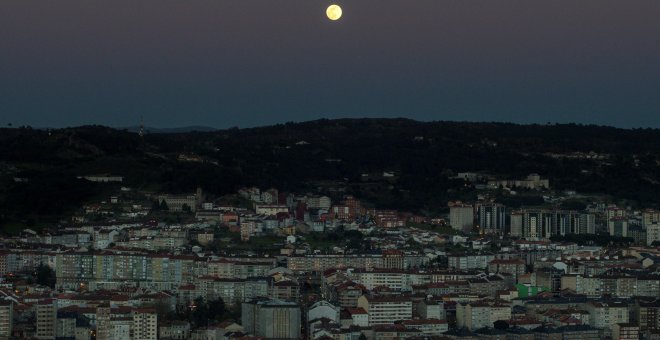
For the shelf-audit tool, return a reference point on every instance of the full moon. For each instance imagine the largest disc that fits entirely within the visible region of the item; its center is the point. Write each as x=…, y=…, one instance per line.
x=333, y=12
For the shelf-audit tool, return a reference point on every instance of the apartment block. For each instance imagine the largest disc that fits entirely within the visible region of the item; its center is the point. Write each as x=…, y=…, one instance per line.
x=145, y=324
x=386, y=309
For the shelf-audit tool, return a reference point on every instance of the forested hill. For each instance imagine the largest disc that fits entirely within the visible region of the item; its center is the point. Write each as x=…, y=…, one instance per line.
x=329, y=155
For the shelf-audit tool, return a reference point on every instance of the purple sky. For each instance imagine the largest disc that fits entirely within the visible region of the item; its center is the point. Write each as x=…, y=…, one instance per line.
x=224, y=63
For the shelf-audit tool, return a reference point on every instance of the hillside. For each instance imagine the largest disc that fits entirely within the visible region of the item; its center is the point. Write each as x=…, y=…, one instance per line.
x=326, y=155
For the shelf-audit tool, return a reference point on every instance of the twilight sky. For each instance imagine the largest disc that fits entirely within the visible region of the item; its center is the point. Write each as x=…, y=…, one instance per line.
x=244, y=63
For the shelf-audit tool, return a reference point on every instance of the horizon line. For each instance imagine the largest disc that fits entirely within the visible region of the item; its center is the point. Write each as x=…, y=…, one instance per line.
x=210, y=128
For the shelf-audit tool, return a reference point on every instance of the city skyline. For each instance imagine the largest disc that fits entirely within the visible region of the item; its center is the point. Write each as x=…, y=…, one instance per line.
x=329, y=170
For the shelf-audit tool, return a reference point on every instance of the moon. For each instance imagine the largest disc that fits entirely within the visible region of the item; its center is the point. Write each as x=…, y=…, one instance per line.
x=333, y=12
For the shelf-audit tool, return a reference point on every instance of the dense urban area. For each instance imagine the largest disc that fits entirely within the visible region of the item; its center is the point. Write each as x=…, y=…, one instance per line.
x=269, y=264
x=505, y=257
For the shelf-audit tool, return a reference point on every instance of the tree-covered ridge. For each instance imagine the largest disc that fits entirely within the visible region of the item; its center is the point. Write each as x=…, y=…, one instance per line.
x=327, y=154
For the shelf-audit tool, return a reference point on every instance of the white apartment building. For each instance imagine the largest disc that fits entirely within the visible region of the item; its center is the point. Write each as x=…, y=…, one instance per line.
x=461, y=216
x=385, y=310
x=392, y=280
x=467, y=262
x=270, y=209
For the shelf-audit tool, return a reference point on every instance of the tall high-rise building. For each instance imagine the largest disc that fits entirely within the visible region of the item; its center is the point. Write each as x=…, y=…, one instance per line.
x=491, y=217
x=103, y=323
x=652, y=233
x=573, y=222
x=66, y=324
x=6, y=317
x=46, y=319
x=647, y=315
x=272, y=318
x=543, y=224
x=587, y=223
x=650, y=217
x=537, y=224
x=517, y=224
x=354, y=206
x=618, y=226
x=461, y=216
x=145, y=324
x=613, y=212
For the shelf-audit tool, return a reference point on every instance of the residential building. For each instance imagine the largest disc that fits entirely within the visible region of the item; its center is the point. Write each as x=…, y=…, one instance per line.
x=145, y=324
x=650, y=217
x=646, y=314
x=480, y=314
x=427, y=326
x=652, y=233
x=625, y=331
x=270, y=209
x=604, y=315
x=576, y=332
x=319, y=202
x=515, y=267
x=320, y=263
x=469, y=261
x=46, y=312
x=537, y=224
x=6, y=318
x=517, y=224
x=461, y=216
x=532, y=181
x=271, y=319
x=491, y=218
x=179, y=202
x=386, y=309
x=431, y=309
x=359, y=317
x=178, y=330
x=618, y=226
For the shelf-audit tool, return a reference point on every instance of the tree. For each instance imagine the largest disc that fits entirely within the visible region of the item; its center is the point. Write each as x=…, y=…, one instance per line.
x=216, y=309
x=573, y=204
x=163, y=310
x=362, y=337
x=163, y=206
x=205, y=311
x=155, y=206
x=200, y=314
x=500, y=324
x=186, y=208
x=46, y=276
x=354, y=239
